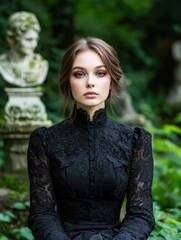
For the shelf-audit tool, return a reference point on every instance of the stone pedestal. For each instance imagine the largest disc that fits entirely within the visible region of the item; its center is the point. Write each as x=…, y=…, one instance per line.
x=15, y=146
x=15, y=141
x=25, y=71
x=24, y=106
x=24, y=112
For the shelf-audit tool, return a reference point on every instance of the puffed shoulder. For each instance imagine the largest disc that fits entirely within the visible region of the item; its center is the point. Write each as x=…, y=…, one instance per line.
x=39, y=131
x=39, y=134
x=141, y=135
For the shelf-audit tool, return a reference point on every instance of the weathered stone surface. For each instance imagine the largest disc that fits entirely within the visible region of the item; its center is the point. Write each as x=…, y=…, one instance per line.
x=24, y=107
x=23, y=71
x=15, y=139
x=124, y=109
x=174, y=97
x=20, y=66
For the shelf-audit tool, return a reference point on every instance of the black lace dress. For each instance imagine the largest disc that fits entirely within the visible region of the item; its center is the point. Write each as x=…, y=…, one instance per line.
x=80, y=172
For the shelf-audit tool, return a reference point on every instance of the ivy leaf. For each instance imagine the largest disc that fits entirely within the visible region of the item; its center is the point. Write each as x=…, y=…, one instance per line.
x=4, y=218
x=26, y=233
x=27, y=203
x=19, y=206
x=4, y=238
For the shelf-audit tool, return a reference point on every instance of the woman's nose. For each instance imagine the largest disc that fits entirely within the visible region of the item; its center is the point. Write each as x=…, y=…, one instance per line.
x=90, y=81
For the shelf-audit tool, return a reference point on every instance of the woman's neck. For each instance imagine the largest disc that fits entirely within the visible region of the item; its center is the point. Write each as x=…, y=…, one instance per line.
x=90, y=110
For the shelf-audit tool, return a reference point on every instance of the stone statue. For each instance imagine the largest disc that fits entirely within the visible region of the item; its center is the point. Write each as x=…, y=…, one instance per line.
x=23, y=72
x=123, y=107
x=175, y=93
x=20, y=66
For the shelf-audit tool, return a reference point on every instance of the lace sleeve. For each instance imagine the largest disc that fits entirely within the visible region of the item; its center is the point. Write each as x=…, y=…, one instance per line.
x=139, y=220
x=43, y=219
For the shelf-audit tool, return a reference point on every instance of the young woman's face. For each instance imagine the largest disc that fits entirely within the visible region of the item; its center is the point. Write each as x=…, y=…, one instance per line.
x=89, y=81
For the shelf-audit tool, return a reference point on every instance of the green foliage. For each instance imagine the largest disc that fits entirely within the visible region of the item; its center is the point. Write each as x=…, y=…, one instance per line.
x=168, y=224
x=125, y=18
x=7, y=216
x=177, y=119
x=14, y=213
x=19, y=206
x=18, y=182
x=3, y=238
x=23, y=233
x=167, y=173
x=166, y=182
x=13, y=222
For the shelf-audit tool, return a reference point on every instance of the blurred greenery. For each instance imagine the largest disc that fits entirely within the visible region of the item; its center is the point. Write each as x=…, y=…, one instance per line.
x=142, y=32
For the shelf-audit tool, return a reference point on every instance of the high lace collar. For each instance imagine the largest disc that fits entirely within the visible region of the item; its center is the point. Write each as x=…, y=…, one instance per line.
x=81, y=117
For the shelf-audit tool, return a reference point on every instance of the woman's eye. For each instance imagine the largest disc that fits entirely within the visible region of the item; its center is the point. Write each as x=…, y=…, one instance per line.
x=101, y=74
x=78, y=74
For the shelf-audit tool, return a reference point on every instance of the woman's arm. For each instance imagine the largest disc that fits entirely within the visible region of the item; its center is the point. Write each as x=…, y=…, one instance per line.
x=139, y=220
x=43, y=220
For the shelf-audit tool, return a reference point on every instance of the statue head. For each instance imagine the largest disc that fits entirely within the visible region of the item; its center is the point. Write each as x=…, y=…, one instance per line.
x=23, y=32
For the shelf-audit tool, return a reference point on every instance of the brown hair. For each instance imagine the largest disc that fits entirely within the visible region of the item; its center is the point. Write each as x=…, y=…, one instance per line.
x=107, y=55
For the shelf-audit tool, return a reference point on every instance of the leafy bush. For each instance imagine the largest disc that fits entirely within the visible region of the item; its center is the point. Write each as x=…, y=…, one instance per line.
x=13, y=215
x=167, y=172
x=166, y=182
x=168, y=224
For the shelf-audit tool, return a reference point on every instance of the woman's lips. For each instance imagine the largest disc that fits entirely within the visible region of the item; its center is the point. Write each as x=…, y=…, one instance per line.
x=90, y=94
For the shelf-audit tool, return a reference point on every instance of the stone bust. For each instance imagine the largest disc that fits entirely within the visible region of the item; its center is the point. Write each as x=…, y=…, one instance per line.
x=20, y=66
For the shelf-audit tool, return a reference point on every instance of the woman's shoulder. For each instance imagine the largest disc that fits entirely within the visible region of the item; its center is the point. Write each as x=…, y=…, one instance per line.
x=38, y=135
x=141, y=136
x=136, y=131
x=120, y=126
x=46, y=134
x=139, y=130
x=53, y=129
x=38, y=131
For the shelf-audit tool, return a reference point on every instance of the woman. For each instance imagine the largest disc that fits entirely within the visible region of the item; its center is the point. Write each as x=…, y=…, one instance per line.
x=81, y=169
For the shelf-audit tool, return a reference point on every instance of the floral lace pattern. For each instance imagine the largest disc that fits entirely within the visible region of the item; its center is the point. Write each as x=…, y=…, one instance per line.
x=81, y=170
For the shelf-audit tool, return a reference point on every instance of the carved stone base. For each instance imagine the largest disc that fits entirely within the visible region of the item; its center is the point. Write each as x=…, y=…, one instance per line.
x=24, y=106
x=24, y=111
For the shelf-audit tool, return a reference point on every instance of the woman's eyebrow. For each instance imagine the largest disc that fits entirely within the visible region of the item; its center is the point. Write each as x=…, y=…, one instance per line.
x=79, y=67
x=101, y=66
